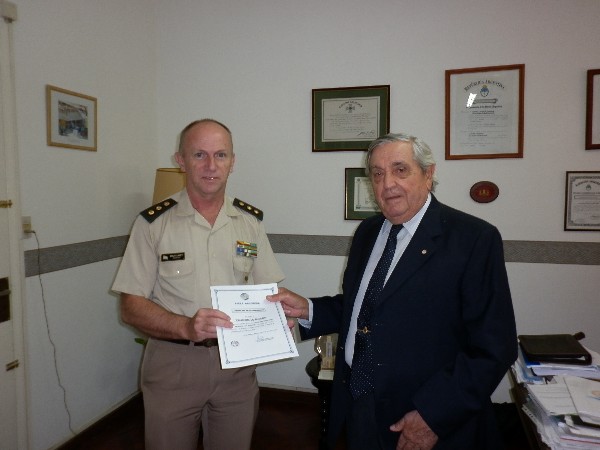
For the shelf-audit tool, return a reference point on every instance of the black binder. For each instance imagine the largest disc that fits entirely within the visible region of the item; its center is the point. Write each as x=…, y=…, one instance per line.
x=556, y=348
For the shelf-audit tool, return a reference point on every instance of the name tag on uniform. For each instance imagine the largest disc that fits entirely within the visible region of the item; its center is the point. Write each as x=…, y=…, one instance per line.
x=246, y=249
x=172, y=256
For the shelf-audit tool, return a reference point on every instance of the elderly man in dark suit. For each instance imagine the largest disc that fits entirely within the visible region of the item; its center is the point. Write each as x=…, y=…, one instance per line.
x=425, y=321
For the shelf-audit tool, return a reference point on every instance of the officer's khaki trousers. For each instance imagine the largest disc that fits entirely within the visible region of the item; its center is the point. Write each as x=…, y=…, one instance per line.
x=184, y=386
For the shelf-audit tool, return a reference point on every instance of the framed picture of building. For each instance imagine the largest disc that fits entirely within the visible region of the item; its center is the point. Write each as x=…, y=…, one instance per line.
x=71, y=119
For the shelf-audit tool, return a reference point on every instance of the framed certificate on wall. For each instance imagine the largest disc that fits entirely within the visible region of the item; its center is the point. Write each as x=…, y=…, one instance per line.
x=349, y=118
x=359, y=201
x=582, y=201
x=484, y=112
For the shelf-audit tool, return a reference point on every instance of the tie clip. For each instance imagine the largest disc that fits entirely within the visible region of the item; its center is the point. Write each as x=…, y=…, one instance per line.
x=364, y=330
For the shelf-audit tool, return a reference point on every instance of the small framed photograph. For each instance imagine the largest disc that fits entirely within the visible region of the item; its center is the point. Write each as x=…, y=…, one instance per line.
x=484, y=112
x=360, y=200
x=592, y=117
x=582, y=201
x=70, y=119
x=349, y=118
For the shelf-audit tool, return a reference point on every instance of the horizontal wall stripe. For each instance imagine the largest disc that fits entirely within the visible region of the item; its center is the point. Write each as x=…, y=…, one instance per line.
x=62, y=257
x=548, y=252
x=543, y=252
x=306, y=244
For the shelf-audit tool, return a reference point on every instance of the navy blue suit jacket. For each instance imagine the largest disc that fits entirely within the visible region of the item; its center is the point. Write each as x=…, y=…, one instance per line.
x=443, y=329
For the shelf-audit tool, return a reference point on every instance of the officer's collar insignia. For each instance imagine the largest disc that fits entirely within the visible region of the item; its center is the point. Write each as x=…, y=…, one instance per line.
x=248, y=208
x=152, y=213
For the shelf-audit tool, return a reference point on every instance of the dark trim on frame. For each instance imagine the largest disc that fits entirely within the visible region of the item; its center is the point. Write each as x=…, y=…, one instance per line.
x=62, y=257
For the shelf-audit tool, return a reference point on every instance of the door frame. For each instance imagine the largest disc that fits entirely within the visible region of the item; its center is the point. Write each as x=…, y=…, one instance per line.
x=9, y=156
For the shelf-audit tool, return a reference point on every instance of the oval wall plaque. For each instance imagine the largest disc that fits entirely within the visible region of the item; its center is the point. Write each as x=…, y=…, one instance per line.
x=484, y=192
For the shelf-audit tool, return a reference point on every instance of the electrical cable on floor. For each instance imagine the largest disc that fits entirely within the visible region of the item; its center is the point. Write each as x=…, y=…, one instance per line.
x=49, y=336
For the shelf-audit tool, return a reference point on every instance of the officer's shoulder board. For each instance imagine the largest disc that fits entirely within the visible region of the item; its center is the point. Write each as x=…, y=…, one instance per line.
x=152, y=213
x=248, y=208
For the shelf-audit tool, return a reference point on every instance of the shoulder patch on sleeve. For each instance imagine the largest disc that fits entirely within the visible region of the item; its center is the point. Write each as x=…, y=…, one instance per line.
x=150, y=214
x=248, y=208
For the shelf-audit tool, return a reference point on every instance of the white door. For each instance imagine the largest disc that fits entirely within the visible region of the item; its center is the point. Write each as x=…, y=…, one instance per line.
x=13, y=433
x=8, y=371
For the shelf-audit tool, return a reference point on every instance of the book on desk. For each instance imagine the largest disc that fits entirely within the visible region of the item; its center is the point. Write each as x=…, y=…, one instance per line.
x=555, y=348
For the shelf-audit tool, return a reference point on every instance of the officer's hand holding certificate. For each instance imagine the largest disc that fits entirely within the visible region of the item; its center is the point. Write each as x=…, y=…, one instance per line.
x=260, y=332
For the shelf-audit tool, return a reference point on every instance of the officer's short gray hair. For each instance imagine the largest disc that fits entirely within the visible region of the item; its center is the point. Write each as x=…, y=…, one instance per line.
x=196, y=122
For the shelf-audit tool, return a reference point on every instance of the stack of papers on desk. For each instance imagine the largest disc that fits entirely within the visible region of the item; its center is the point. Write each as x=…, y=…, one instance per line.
x=555, y=433
x=586, y=398
x=566, y=413
x=524, y=374
x=564, y=401
x=554, y=398
x=578, y=426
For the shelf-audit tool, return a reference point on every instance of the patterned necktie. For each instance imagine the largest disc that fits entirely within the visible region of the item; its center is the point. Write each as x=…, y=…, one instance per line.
x=361, y=378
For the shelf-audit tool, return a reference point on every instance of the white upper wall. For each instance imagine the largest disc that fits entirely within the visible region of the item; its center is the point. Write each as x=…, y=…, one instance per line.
x=105, y=49
x=253, y=65
x=154, y=68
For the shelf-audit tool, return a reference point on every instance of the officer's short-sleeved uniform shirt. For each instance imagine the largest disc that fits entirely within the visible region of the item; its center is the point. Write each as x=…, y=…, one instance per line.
x=173, y=255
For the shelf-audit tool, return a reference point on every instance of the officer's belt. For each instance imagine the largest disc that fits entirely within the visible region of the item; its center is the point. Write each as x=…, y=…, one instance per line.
x=204, y=343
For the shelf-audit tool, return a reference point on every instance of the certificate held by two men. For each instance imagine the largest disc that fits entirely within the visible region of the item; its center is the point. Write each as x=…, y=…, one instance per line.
x=260, y=332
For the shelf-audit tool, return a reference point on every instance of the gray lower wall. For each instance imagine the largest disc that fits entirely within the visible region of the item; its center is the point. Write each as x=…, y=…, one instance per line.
x=63, y=257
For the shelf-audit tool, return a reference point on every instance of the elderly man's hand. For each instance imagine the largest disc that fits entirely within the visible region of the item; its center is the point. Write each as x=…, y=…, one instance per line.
x=294, y=305
x=415, y=434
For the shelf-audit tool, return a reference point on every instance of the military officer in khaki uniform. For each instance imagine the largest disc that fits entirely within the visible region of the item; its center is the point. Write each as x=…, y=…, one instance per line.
x=177, y=250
